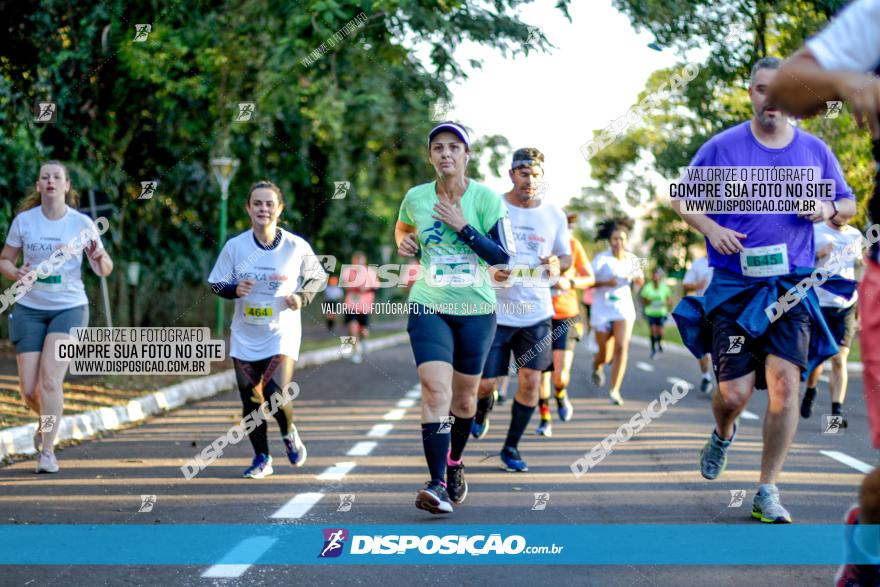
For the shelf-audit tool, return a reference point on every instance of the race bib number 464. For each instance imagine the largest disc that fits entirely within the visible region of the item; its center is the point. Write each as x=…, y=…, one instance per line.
x=258, y=312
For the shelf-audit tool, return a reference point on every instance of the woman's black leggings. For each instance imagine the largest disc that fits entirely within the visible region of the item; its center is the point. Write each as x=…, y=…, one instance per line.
x=258, y=381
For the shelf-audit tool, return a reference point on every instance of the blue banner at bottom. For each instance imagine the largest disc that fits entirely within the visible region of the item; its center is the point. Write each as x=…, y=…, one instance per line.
x=286, y=544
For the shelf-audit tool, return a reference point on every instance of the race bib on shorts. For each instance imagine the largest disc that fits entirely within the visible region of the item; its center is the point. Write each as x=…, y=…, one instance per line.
x=259, y=313
x=455, y=270
x=49, y=283
x=764, y=261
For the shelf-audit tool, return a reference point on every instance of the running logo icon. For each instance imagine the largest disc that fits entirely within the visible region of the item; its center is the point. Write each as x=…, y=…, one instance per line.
x=148, y=188
x=833, y=108
x=638, y=266
x=446, y=423
x=341, y=189
x=735, y=345
x=534, y=35
x=47, y=423
x=147, y=503
x=440, y=111
x=346, y=345
x=346, y=500
x=541, y=189
x=834, y=424
x=737, y=496
x=737, y=30
x=45, y=111
x=541, y=501
x=141, y=32
x=334, y=540
x=246, y=111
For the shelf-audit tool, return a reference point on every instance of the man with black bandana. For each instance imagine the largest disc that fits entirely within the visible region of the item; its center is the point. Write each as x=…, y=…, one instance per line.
x=525, y=304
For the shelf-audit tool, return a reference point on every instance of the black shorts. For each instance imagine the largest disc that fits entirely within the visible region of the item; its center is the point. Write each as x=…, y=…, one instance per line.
x=735, y=354
x=655, y=320
x=362, y=319
x=842, y=324
x=566, y=333
x=530, y=345
x=461, y=341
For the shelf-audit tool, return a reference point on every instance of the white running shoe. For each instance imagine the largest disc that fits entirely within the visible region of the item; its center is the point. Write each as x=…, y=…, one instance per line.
x=47, y=463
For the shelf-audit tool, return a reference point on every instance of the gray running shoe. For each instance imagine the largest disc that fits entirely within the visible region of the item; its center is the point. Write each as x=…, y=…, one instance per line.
x=713, y=457
x=599, y=377
x=766, y=506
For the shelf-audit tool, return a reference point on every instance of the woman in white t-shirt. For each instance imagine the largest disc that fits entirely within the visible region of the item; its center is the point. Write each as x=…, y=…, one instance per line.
x=48, y=294
x=271, y=274
x=613, y=313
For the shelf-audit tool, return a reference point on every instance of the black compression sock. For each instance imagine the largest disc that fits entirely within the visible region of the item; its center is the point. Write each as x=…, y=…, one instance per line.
x=484, y=404
x=436, y=447
x=519, y=421
x=461, y=430
x=836, y=408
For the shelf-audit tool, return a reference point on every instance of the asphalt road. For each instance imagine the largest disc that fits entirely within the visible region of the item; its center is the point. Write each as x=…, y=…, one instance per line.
x=361, y=425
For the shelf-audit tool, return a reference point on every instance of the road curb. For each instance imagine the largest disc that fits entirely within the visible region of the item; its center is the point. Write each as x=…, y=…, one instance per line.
x=19, y=440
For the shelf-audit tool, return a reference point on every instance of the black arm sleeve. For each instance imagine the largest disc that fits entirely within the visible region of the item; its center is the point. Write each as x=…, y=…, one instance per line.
x=225, y=289
x=491, y=248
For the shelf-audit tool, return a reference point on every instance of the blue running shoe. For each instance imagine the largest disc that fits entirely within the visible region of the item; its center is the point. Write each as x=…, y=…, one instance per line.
x=296, y=450
x=545, y=428
x=261, y=467
x=566, y=410
x=479, y=430
x=512, y=461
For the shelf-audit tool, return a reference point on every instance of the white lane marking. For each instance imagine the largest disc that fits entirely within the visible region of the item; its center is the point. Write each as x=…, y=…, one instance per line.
x=362, y=449
x=645, y=366
x=380, y=430
x=394, y=415
x=747, y=415
x=823, y=378
x=248, y=549
x=414, y=393
x=860, y=466
x=298, y=506
x=406, y=403
x=337, y=471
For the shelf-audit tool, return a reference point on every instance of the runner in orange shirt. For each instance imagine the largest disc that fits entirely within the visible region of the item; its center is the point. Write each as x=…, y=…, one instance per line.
x=360, y=283
x=568, y=330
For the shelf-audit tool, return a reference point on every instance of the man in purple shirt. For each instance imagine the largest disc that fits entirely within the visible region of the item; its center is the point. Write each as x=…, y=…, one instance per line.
x=750, y=251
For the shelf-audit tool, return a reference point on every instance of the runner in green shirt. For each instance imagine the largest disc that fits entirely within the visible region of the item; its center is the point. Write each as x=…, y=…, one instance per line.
x=458, y=228
x=654, y=295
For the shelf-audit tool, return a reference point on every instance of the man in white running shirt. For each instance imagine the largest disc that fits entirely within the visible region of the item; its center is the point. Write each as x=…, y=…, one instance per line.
x=695, y=282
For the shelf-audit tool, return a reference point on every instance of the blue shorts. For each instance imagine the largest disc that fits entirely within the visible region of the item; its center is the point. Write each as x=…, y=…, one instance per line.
x=531, y=347
x=28, y=327
x=461, y=341
x=655, y=320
